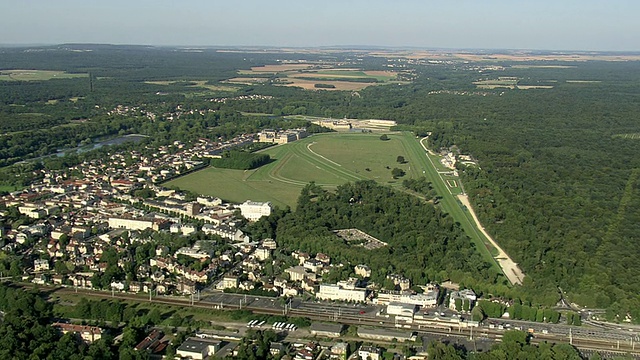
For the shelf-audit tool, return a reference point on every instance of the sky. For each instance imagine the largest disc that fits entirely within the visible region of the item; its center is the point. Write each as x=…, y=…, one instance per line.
x=588, y=25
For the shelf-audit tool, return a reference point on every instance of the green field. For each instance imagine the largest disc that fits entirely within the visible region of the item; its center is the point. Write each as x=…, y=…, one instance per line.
x=36, y=75
x=357, y=74
x=9, y=188
x=328, y=159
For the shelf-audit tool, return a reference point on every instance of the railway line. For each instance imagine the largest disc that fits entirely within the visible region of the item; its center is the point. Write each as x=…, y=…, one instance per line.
x=347, y=316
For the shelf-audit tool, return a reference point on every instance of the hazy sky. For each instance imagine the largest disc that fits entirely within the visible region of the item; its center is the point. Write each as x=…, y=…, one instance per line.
x=495, y=24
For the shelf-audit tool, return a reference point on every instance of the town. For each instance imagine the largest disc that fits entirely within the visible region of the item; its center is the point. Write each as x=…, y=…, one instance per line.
x=110, y=225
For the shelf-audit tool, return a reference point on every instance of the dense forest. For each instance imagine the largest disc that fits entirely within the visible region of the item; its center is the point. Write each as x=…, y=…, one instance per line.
x=424, y=244
x=557, y=182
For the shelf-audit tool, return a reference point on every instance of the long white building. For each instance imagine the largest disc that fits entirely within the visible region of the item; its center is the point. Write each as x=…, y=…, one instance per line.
x=336, y=292
x=253, y=210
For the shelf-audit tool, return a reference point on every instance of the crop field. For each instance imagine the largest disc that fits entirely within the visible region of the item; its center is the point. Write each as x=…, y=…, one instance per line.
x=36, y=75
x=337, y=85
x=308, y=75
x=280, y=68
x=247, y=80
x=327, y=159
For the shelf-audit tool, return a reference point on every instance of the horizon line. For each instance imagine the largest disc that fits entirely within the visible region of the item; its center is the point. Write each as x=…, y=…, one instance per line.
x=302, y=47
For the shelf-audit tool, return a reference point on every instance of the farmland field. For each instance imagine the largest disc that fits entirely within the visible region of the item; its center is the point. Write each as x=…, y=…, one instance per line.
x=36, y=75
x=339, y=85
x=327, y=159
x=308, y=75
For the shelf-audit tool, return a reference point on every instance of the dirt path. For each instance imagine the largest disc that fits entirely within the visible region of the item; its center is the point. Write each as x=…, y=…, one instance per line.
x=509, y=267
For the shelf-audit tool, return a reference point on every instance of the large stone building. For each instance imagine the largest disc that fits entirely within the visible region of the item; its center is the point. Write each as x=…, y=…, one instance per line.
x=253, y=210
x=137, y=223
x=282, y=136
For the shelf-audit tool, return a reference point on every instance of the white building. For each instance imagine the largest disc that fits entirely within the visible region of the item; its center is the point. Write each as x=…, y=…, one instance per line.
x=466, y=295
x=253, y=210
x=401, y=309
x=428, y=299
x=130, y=223
x=369, y=353
x=262, y=253
x=197, y=349
x=40, y=265
x=362, y=270
x=336, y=292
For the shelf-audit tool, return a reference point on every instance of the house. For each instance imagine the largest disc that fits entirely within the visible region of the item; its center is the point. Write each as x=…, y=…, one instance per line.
x=135, y=287
x=339, y=350
x=313, y=265
x=151, y=341
x=276, y=348
x=40, y=279
x=296, y=273
x=369, y=353
x=40, y=265
x=269, y=244
x=363, y=270
x=197, y=349
x=323, y=258
x=225, y=232
x=117, y=285
x=87, y=333
x=229, y=282
x=186, y=287
x=462, y=299
x=262, y=253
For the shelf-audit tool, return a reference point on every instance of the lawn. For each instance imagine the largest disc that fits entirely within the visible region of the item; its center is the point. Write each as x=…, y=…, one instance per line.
x=328, y=159
x=332, y=159
x=9, y=188
x=35, y=75
x=232, y=185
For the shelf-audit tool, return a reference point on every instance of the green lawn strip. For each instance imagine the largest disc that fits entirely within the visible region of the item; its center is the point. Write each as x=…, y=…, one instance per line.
x=230, y=185
x=448, y=202
x=301, y=169
x=301, y=150
x=358, y=152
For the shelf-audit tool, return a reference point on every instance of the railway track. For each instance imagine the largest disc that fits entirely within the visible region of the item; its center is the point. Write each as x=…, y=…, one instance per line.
x=582, y=343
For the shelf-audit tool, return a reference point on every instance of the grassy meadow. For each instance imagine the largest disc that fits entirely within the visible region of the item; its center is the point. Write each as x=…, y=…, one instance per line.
x=328, y=159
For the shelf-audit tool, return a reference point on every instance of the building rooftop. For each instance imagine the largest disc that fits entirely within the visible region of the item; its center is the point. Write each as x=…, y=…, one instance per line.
x=326, y=327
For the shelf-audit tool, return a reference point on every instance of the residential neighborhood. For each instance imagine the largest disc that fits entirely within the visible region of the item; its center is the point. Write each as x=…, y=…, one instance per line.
x=110, y=225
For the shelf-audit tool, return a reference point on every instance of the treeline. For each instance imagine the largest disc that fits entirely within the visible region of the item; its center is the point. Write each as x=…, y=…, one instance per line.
x=420, y=185
x=517, y=311
x=240, y=160
x=424, y=244
x=514, y=345
x=26, y=331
